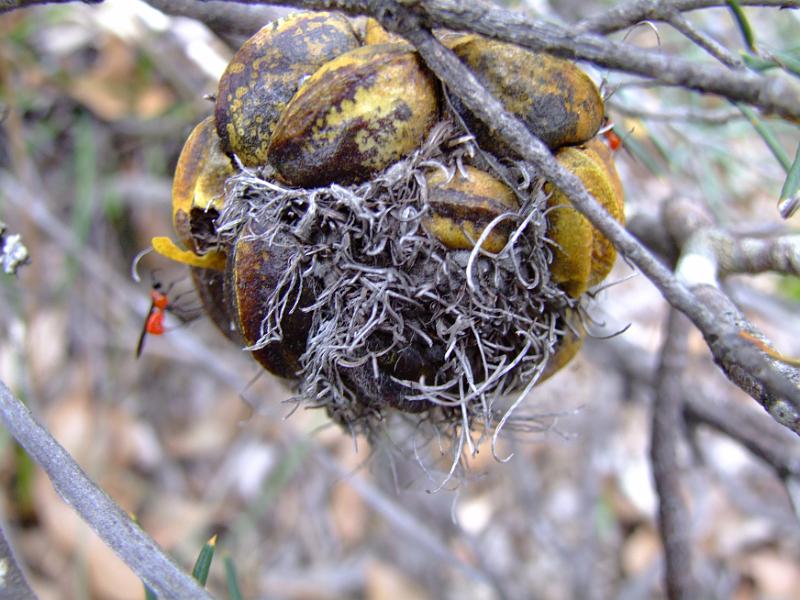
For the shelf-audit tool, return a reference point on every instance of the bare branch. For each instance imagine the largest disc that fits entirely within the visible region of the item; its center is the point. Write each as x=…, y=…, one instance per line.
x=9, y=5
x=756, y=434
x=688, y=114
x=14, y=584
x=223, y=18
x=666, y=428
x=704, y=41
x=627, y=14
x=109, y=521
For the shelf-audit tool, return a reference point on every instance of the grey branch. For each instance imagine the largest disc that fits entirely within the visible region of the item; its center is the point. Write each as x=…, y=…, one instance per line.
x=8, y=5
x=673, y=515
x=111, y=523
x=688, y=115
x=752, y=432
x=627, y=14
x=709, y=253
x=233, y=23
x=13, y=584
x=704, y=41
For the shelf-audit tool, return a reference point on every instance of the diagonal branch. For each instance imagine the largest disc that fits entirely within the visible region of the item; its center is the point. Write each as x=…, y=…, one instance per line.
x=630, y=13
x=109, y=521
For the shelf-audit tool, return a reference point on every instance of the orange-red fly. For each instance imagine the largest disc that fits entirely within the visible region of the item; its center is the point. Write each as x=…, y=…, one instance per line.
x=613, y=140
x=160, y=304
x=154, y=323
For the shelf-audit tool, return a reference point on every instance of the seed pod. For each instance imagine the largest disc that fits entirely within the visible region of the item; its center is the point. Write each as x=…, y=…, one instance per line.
x=356, y=115
x=568, y=346
x=265, y=73
x=603, y=155
x=583, y=257
x=414, y=361
x=209, y=284
x=198, y=188
x=553, y=97
x=463, y=206
x=374, y=33
x=254, y=271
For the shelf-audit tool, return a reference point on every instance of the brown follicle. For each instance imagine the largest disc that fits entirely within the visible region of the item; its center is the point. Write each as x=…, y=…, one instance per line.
x=355, y=116
x=265, y=74
x=255, y=273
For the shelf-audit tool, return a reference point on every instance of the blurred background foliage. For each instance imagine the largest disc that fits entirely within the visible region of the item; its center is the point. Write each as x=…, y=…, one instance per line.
x=96, y=103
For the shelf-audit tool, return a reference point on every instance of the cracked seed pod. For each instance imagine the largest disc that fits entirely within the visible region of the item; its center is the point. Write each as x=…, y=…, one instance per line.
x=555, y=99
x=198, y=194
x=359, y=281
x=198, y=187
x=355, y=116
x=265, y=74
x=462, y=207
x=583, y=257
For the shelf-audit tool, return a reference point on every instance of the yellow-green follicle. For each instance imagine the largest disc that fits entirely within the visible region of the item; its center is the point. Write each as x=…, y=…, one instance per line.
x=555, y=99
x=266, y=72
x=199, y=181
x=583, y=257
x=462, y=207
x=356, y=115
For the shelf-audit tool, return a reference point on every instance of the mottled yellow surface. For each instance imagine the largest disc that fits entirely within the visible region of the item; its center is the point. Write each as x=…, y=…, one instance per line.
x=355, y=116
x=266, y=72
x=463, y=206
x=376, y=34
x=603, y=252
x=200, y=176
x=583, y=257
x=555, y=99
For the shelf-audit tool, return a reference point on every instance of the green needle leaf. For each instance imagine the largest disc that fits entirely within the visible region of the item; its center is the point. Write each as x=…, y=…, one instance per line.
x=203, y=564
x=769, y=139
x=790, y=194
x=234, y=593
x=743, y=23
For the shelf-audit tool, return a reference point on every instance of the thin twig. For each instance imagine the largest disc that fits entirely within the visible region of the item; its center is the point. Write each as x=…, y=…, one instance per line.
x=673, y=514
x=704, y=41
x=751, y=430
x=13, y=583
x=232, y=23
x=108, y=520
x=687, y=114
x=630, y=13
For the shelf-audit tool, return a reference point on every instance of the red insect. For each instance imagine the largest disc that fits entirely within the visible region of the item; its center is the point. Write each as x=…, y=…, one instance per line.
x=154, y=323
x=613, y=140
